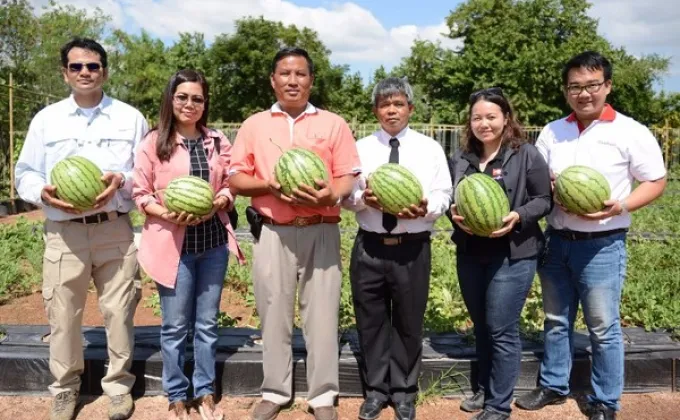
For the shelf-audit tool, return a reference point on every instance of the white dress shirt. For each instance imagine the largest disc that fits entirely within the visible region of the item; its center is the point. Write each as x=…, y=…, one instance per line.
x=622, y=150
x=419, y=154
x=108, y=137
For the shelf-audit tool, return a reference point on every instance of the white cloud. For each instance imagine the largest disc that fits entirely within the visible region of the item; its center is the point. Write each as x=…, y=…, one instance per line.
x=642, y=27
x=351, y=32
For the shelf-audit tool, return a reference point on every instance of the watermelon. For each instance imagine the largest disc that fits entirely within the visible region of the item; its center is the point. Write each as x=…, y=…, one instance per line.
x=78, y=181
x=482, y=202
x=395, y=187
x=189, y=194
x=299, y=166
x=582, y=189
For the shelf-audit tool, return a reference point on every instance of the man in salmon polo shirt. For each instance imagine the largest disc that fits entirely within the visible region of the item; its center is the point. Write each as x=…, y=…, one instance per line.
x=298, y=249
x=585, y=256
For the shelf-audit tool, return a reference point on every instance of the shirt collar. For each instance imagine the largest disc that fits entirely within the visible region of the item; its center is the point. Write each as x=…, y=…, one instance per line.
x=102, y=107
x=608, y=115
x=385, y=137
x=276, y=109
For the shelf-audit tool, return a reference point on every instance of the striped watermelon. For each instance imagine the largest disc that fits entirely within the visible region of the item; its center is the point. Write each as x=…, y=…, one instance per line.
x=482, y=202
x=582, y=189
x=299, y=166
x=189, y=194
x=395, y=187
x=78, y=181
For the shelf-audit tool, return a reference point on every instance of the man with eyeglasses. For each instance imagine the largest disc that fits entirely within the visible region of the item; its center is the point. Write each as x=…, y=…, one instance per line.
x=96, y=243
x=585, y=258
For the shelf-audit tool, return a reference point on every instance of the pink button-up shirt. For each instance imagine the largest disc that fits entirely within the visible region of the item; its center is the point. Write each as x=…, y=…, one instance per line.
x=161, y=242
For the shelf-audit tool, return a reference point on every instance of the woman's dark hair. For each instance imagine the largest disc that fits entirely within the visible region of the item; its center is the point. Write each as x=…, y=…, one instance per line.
x=512, y=136
x=86, y=44
x=165, y=143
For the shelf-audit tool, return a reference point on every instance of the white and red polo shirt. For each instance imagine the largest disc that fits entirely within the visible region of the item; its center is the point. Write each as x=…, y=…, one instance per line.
x=616, y=145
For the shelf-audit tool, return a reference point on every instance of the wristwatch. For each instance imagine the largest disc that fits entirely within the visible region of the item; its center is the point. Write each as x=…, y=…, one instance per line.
x=122, y=181
x=624, y=206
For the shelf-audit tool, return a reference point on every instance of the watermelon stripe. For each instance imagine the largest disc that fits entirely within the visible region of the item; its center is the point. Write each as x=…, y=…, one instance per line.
x=89, y=182
x=68, y=193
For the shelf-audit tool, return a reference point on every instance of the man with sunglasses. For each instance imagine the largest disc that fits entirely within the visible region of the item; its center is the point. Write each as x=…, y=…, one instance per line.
x=96, y=243
x=585, y=258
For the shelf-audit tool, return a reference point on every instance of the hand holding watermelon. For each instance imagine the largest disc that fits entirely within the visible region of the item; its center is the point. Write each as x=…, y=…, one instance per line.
x=182, y=219
x=612, y=208
x=312, y=197
x=459, y=220
x=49, y=196
x=414, y=211
x=112, y=181
x=509, y=223
x=275, y=190
x=370, y=199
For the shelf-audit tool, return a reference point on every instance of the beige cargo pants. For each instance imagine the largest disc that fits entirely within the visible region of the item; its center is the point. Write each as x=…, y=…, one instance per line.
x=302, y=262
x=74, y=253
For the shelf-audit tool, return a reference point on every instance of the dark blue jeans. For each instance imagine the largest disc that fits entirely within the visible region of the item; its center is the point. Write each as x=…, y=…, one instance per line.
x=495, y=289
x=194, y=302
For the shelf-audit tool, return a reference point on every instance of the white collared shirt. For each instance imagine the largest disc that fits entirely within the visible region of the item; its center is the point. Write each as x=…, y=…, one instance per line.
x=621, y=149
x=309, y=109
x=421, y=155
x=109, y=138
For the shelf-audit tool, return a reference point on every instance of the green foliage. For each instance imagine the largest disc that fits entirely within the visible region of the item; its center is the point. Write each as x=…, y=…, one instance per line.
x=21, y=247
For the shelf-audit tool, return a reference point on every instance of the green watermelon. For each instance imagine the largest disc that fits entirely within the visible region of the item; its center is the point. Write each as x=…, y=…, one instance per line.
x=582, y=189
x=482, y=202
x=395, y=187
x=299, y=166
x=78, y=181
x=189, y=194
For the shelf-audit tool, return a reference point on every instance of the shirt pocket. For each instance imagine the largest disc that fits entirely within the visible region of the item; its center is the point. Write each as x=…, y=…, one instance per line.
x=119, y=144
x=58, y=146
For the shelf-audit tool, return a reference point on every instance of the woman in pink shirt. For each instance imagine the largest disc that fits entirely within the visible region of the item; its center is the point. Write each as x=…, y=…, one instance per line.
x=186, y=256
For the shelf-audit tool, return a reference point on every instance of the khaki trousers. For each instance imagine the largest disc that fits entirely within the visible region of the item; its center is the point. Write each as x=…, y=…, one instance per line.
x=305, y=261
x=74, y=253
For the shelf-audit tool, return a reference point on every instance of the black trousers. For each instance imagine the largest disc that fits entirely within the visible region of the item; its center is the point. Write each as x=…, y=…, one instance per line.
x=390, y=286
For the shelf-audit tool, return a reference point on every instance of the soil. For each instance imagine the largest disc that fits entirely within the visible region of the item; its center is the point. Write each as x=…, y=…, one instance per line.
x=30, y=216
x=658, y=406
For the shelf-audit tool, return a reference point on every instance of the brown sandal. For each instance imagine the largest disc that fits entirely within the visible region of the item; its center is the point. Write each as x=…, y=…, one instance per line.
x=207, y=409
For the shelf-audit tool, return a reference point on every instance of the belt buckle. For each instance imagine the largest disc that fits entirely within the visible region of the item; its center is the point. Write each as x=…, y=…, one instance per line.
x=572, y=236
x=392, y=241
x=300, y=221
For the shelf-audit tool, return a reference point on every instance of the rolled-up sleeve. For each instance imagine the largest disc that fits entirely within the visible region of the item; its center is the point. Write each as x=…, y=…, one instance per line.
x=441, y=189
x=539, y=191
x=242, y=159
x=141, y=129
x=344, y=150
x=225, y=160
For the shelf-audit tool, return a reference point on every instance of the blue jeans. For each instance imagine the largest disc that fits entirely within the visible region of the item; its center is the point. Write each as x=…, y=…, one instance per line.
x=591, y=272
x=193, y=304
x=495, y=289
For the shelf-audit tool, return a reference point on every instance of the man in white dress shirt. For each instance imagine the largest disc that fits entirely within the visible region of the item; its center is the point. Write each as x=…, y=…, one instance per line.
x=96, y=243
x=391, y=261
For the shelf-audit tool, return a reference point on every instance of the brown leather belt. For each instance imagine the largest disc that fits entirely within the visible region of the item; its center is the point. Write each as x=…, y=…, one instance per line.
x=303, y=221
x=398, y=239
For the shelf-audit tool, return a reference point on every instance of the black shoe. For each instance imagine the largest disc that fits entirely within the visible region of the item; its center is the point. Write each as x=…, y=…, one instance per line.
x=474, y=403
x=601, y=412
x=539, y=398
x=404, y=410
x=371, y=408
x=490, y=415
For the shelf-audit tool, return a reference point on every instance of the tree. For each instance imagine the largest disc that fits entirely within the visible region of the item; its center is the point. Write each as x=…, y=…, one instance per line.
x=521, y=46
x=242, y=69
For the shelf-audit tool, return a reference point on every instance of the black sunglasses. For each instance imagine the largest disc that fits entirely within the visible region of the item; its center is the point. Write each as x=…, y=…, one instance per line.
x=77, y=67
x=495, y=91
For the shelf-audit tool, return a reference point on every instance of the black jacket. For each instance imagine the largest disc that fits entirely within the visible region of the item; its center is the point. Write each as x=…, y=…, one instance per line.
x=527, y=185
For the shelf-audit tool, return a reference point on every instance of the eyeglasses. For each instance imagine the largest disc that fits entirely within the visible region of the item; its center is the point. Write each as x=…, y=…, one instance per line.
x=183, y=99
x=495, y=91
x=576, y=90
x=78, y=67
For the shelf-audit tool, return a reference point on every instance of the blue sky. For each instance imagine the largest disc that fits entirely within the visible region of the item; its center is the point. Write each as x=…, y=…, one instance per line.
x=366, y=34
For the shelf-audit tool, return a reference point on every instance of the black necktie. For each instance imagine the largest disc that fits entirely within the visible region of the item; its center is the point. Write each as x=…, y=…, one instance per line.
x=389, y=220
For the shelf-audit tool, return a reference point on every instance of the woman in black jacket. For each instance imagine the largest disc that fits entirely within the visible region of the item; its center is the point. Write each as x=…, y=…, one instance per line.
x=496, y=273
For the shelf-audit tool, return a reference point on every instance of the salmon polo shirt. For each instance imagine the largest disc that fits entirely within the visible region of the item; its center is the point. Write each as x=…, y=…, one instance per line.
x=264, y=136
